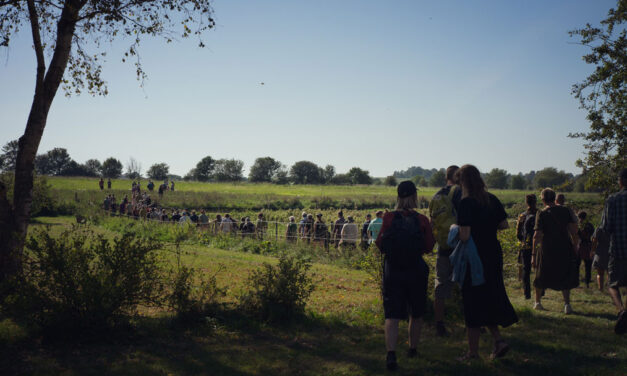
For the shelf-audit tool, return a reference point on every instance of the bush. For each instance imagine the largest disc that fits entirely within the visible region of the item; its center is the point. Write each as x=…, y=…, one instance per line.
x=192, y=302
x=278, y=292
x=81, y=281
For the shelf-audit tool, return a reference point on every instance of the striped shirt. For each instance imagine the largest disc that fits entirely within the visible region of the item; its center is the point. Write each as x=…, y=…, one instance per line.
x=614, y=223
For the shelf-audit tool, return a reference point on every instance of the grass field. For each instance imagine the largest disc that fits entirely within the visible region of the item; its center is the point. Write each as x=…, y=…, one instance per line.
x=341, y=335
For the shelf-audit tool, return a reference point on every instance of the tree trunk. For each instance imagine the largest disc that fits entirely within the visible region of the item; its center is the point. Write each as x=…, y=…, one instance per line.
x=14, y=220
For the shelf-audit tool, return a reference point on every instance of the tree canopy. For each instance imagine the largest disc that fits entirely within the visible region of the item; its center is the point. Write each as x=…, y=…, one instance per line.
x=158, y=171
x=264, y=169
x=603, y=94
x=111, y=168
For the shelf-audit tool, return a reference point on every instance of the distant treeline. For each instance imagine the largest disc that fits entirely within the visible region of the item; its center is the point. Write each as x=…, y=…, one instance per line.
x=57, y=162
x=501, y=179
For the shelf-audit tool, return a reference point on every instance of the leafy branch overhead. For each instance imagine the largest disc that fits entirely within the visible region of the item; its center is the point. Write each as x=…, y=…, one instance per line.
x=96, y=23
x=603, y=95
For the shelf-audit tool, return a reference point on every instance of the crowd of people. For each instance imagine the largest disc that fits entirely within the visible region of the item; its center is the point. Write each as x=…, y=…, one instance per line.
x=463, y=221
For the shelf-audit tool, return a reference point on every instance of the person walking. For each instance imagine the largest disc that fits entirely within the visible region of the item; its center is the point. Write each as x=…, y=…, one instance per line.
x=584, y=233
x=319, y=232
x=481, y=215
x=337, y=228
x=553, y=254
x=101, y=184
x=349, y=236
x=261, y=226
x=109, y=183
x=291, y=232
x=601, y=248
x=404, y=237
x=443, y=213
x=364, y=233
x=524, y=232
x=614, y=224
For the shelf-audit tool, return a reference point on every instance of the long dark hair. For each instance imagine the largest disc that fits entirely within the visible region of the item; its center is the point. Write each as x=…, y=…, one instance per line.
x=472, y=184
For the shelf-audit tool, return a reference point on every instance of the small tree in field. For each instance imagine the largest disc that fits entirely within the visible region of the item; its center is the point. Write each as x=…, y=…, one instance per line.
x=111, y=168
x=65, y=30
x=204, y=169
x=158, y=171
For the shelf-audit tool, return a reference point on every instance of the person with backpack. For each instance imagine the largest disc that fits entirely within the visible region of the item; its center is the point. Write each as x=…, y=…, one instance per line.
x=553, y=252
x=404, y=237
x=319, y=232
x=480, y=216
x=291, y=232
x=524, y=233
x=584, y=233
x=443, y=214
x=364, y=233
x=337, y=228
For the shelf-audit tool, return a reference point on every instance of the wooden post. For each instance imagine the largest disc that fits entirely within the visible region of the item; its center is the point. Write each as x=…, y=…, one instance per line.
x=276, y=231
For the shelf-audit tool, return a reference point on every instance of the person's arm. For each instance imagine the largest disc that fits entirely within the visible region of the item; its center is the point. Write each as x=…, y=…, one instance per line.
x=428, y=234
x=537, y=241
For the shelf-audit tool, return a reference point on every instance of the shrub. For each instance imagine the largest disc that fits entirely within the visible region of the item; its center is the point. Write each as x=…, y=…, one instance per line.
x=278, y=292
x=81, y=281
x=192, y=302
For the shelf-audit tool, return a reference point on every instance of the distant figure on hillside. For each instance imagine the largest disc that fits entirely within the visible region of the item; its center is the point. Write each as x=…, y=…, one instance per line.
x=302, y=226
x=364, y=232
x=216, y=224
x=614, y=224
x=404, y=237
x=291, y=233
x=150, y=185
x=101, y=184
x=194, y=217
x=349, y=236
x=585, y=232
x=162, y=188
x=203, y=220
x=554, y=255
x=261, y=226
x=337, y=228
x=109, y=183
x=172, y=185
x=320, y=232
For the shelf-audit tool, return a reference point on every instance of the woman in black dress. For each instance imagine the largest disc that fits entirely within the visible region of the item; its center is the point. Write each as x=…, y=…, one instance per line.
x=480, y=215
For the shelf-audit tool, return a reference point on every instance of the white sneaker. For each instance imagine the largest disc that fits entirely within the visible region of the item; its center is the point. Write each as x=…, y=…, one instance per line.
x=538, y=306
x=568, y=309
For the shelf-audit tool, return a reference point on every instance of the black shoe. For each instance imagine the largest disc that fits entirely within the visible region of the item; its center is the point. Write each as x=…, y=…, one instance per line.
x=440, y=329
x=621, y=323
x=390, y=361
x=412, y=353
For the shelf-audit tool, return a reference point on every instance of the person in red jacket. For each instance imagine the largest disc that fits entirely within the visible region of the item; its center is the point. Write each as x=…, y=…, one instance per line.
x=404, y=237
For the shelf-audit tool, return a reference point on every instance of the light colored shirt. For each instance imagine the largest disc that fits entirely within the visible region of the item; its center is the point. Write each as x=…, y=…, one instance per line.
x=374, y=227
x=350, y=233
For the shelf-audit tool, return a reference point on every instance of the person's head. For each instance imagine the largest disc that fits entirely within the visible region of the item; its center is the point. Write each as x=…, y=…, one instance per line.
x=622, y=178
x=218, y=217
x=319, y=216
x=560, y=199
x=292, y=219
x=304, y=214
x=368, y=216
x=531, y=201
x=350, y=219
x=451, y=177
x=407, y=196
x=379, y=214
x=247, y=219
x=227, y=215
x=310, y=217
x=582, y=215
x=203, y=211
x=340, y=214
x=548, y=196
x=472, y=184
x=260, y=215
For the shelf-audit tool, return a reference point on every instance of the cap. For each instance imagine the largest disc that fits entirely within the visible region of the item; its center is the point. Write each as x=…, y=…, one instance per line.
x=406, y=189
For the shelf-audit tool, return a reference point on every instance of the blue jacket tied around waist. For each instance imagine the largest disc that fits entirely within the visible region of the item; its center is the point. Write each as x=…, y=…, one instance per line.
x=464, y=253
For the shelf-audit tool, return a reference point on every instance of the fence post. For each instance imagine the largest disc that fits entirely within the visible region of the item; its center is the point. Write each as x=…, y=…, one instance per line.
x=276, y=231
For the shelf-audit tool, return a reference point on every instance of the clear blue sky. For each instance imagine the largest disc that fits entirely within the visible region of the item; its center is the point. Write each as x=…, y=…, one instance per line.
x=382, y=85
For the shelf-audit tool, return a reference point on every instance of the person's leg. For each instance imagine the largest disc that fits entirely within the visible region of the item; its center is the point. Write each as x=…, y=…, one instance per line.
x=473, y=342
x=588, y=267
x=601, y=278
x=415, y=326
x=526, y=277
x=566, y=295
x=442, y=291
x=496, y=334
x=539, y=294
x=391, y=334
x=616, y=298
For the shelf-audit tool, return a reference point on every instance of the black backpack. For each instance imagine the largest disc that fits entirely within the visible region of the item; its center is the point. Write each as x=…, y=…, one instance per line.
x=403, y=242
x=529, y=229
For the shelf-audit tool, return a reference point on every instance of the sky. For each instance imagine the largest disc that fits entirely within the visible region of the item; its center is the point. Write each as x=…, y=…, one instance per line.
x=382, y=85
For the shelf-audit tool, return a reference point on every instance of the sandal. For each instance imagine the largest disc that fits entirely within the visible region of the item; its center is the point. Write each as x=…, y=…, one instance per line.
x=467, y=357
x=500, y=349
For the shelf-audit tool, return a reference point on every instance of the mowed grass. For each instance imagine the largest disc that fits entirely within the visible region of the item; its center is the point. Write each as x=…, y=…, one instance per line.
x=341, y=335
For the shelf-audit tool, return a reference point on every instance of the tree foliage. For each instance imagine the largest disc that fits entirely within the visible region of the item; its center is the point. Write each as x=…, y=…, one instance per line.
x=54, y=162
x=228, y=170
x=94, y=166
x=438, y=179
x=204, y=169
x=8, y=156
x=518, y=182
x=111, y=168
x=550, y=177
x=133, y=169
x=264, y=170
x=496, y=178
x=359, y=176
x=158, y=171
x=305, y=172
x=603, y=94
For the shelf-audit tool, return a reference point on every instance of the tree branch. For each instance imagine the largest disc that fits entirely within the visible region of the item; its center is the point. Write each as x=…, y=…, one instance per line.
x=39, y=50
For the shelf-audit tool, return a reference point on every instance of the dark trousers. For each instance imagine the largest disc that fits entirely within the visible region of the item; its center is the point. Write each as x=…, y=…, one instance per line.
x=525, y=254
x=587, y=265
